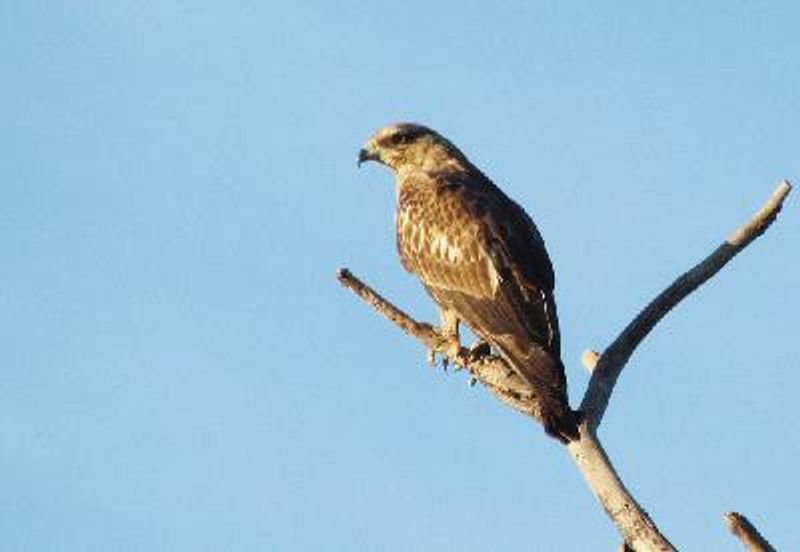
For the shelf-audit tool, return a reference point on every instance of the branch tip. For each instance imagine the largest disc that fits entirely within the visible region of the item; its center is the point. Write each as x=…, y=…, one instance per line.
x=615, y=357
x=343, y=274
x=746, y=532
x=761, y=220
x=589, y=360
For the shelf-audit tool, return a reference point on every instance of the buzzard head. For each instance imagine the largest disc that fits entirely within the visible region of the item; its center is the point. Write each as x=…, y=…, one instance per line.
x=409, y=145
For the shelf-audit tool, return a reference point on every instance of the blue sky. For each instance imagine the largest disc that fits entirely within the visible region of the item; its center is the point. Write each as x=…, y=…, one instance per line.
x=181, y=370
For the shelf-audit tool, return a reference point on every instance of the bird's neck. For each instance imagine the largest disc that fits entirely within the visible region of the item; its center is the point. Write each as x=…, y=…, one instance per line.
x=435, y=166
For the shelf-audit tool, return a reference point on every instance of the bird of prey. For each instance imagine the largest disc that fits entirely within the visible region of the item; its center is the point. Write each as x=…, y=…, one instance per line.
x=480, y=257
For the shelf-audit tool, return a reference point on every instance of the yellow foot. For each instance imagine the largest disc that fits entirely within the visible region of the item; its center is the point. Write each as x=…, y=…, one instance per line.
x=449, y=347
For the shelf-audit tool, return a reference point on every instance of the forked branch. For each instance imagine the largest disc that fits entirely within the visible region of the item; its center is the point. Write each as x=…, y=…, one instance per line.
x=637, y=529
x=613, y=360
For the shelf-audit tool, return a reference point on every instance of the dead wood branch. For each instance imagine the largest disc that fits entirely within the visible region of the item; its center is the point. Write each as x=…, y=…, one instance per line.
x=493, y=372
x=613, y=360
x=747, y=533
x=490, y=370
x=637, y=529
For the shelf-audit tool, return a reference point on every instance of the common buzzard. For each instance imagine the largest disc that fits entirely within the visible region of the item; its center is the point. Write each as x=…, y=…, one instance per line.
x=481, y=258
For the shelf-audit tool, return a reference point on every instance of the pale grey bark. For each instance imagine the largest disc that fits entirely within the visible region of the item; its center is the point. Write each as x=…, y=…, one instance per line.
x=635, y=526
x=613, y=360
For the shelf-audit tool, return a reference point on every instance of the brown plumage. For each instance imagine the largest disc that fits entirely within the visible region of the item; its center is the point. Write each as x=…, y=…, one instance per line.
x=480, y=257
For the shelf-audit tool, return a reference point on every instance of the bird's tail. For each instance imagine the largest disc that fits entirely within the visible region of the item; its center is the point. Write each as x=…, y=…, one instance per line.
x=564, y=425
x=545, y=373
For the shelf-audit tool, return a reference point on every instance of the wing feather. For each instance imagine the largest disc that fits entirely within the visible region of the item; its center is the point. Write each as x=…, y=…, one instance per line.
x=435, y=241
x=469, y=238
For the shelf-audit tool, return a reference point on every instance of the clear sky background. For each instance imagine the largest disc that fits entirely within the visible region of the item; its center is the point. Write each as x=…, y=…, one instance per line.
x=181, y=371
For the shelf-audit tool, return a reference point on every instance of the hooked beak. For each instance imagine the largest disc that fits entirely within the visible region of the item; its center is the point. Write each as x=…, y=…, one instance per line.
x=367, y=155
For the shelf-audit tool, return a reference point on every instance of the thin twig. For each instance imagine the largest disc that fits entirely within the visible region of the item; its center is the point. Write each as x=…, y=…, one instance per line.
x=747, y=533
x=424, y=332
x=613, y=360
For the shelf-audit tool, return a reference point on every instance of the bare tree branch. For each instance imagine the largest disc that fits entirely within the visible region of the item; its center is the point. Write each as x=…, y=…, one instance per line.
x=613, y=360
x=424, y=332
x=632, y=521
x=490, y=370
x=619, y=504
x=639, y=532
x=634, y=524
x=747, y=533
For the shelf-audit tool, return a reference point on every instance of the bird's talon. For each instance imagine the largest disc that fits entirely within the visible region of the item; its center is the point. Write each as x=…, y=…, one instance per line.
x=431, y=357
